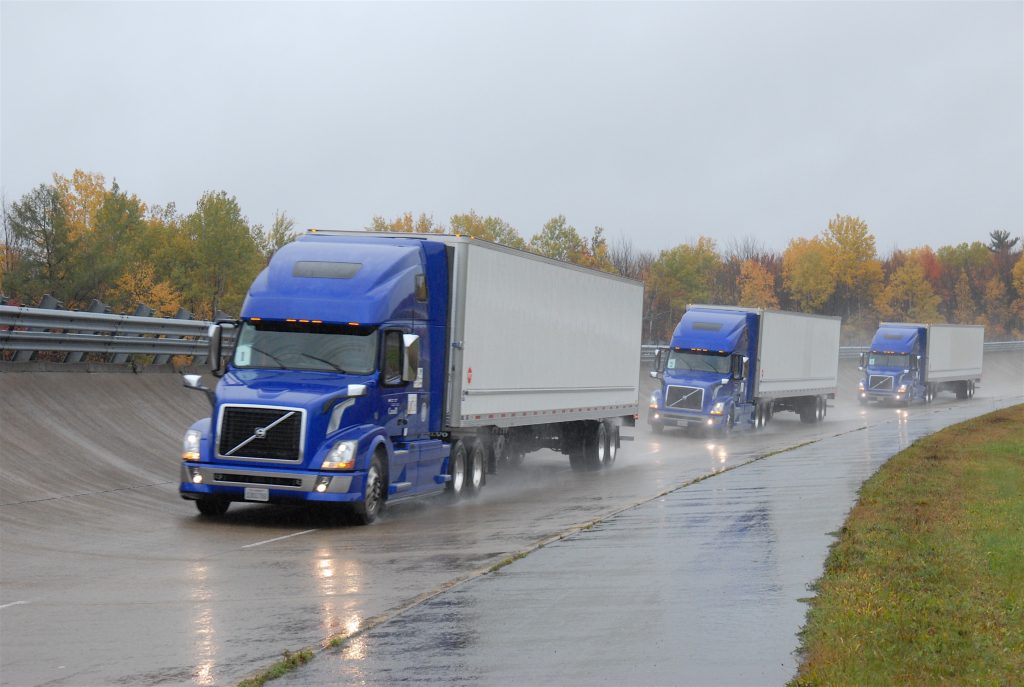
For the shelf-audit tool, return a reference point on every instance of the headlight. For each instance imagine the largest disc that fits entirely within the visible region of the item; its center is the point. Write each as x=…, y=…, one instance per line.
x=718, y=408
x=903, y=388
x=654, y=402
x=190, y=446
x=860, y=385
x=341, y=457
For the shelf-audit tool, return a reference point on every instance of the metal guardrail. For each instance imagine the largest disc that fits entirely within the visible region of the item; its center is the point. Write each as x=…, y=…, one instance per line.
x=647, y=351
x=28, y=331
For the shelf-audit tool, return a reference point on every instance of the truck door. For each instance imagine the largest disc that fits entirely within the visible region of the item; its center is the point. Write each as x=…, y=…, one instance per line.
x=397, y=407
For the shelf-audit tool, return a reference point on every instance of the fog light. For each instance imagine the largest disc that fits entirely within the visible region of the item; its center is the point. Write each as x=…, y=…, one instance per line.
x=197, y=477
x=321, y=484
x=710, y=422
x=656, y=416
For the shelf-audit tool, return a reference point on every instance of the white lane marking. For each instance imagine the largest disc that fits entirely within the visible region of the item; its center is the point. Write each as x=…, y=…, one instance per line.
x=14, y=603
x=287, y=536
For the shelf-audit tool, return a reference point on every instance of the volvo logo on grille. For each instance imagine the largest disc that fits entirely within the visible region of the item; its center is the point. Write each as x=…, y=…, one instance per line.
x=261, y=432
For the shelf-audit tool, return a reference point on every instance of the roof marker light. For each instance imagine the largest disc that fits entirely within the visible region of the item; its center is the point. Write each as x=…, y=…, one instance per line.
x=353, y=324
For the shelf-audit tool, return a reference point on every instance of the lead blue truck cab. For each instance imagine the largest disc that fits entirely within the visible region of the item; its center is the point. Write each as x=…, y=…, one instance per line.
x=330, y=394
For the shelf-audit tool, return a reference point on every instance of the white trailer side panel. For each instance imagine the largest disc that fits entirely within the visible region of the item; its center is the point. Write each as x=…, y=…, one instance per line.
x=798, y=355
x=955, y=352
x=542, y=341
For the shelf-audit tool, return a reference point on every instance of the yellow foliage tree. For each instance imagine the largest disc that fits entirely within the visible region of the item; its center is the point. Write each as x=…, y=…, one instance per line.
x=806, y=274
x=139, y=285
x=757, y=286
x=82, y=196
x=424, y=224
x=853, y=264
x=909, y=297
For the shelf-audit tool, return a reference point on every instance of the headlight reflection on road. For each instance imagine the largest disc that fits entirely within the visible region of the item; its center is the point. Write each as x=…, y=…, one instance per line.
x=202, y=626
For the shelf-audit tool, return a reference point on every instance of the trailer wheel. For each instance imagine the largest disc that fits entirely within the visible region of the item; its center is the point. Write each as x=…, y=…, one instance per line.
x=961, y=391
x=457, y=469
x=367, y=510
x=212, y=507
x=612, y=449
x=970, y=389
x=475, y=469
x=760, y=416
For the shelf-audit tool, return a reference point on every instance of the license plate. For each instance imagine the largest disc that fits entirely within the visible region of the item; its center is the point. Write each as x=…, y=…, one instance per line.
x=257, y=494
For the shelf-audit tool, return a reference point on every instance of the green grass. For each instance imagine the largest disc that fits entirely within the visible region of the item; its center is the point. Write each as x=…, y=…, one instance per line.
x=925, y=585
x=288, y=663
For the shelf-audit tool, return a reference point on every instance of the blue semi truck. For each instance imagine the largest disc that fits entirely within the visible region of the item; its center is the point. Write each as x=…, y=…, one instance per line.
x=368, y=368
x=913, y=362
x=729, y=367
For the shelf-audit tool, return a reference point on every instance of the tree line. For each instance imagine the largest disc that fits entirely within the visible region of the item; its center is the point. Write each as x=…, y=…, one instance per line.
x=80, y=239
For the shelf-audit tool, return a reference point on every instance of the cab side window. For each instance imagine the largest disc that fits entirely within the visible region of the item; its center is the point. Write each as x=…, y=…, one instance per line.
x=392, y=370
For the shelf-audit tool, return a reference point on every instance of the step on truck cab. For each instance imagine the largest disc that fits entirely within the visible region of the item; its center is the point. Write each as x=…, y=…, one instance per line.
x=368, y=368
x=912, y=362
x=729, y=367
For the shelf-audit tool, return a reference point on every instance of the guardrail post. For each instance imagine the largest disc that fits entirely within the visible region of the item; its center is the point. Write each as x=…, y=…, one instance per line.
x=95, y=306
x=47, y=302
x=140, y=311
x=182, y=314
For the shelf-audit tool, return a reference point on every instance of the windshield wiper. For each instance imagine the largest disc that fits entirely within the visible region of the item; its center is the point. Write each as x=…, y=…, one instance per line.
x=322, y=360
x=280, y=363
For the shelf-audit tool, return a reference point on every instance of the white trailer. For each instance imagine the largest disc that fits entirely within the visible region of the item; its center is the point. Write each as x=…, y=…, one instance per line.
x=535, y=340
x=954, y=352
x=798, y=355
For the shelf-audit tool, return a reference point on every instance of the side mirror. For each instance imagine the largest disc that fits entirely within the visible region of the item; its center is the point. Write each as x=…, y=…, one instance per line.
x=215, y=334
x=737, y=366
x=195, y=382
x=863, y=361
x=410, y=357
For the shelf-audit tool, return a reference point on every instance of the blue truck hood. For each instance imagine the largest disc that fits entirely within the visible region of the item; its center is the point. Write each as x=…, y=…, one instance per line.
x=290, y=388
x=339, y=279
x=713, y=330
x=895, y=339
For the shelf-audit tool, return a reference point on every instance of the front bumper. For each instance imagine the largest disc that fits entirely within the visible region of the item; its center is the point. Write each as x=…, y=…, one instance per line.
x=683, y=418
x=281, y=486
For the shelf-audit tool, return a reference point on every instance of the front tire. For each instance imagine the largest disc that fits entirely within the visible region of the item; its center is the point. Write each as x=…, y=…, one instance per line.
x=212, y=507
x=374, y=492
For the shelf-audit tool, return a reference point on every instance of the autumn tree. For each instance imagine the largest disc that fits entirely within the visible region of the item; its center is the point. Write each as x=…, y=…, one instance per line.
x=909, y=297
x=806, y=274
x=424, y=224
x=998, y=309
x=970, y=262
x=281, y=232
x=757, y=286
x=965, y=309
x=39, y=243
x=1018, y=285
x=222, y=257
x=559, y=240
x=680, y=276
x=493, y=229
x=853, y=265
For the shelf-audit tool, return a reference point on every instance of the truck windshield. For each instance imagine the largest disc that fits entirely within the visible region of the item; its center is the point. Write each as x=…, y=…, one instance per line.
x=700, y=362
x=306, y=346
x=889, y=360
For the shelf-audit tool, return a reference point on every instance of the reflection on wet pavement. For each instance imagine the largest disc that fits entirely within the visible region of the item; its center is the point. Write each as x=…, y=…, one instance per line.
x=699, y=586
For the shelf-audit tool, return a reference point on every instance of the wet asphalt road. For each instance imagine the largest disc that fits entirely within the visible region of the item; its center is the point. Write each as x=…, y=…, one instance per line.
x=106, y=577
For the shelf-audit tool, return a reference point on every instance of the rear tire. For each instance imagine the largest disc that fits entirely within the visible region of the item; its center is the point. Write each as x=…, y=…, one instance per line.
x=212, y=507
x=457, y=462
x=612, y=449
x=475, y=469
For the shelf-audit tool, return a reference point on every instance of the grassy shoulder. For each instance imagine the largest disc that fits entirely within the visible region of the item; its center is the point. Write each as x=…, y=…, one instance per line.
x=925, y=585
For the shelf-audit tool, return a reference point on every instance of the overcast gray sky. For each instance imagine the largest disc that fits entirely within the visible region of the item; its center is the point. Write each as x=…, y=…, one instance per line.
x=660, y=122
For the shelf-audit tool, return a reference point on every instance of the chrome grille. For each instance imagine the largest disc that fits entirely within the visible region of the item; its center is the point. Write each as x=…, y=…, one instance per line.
x=880, y=383
x=684, y=398
x=260, y=433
